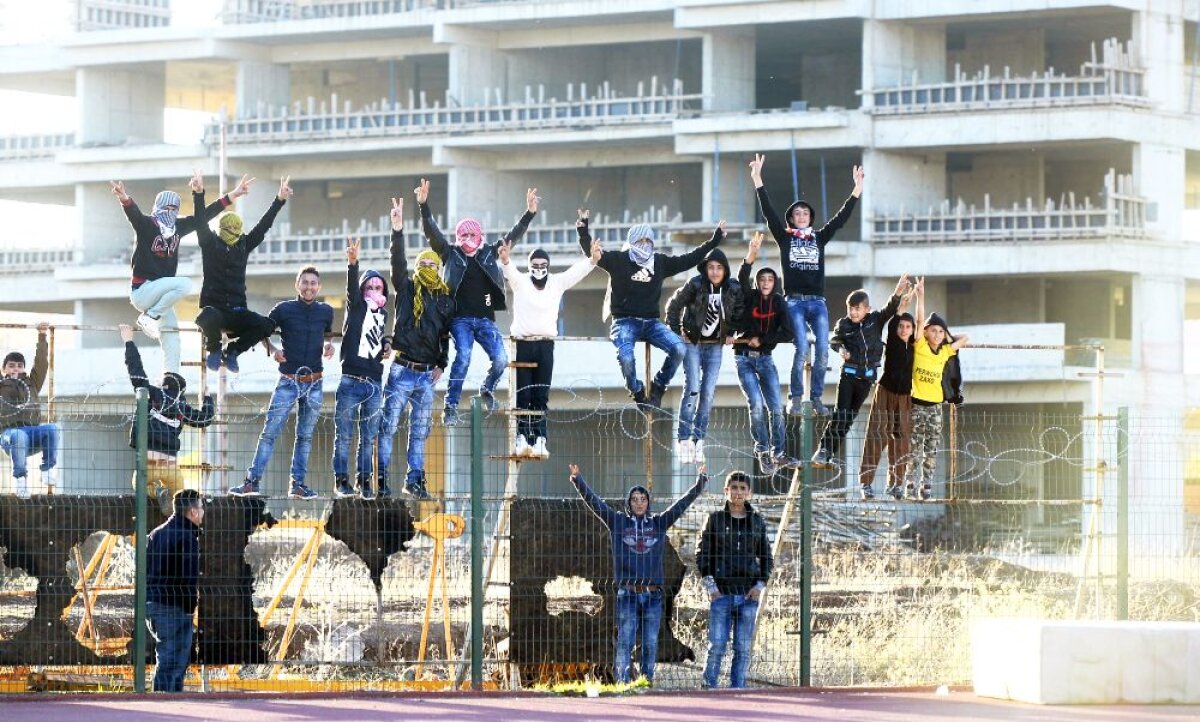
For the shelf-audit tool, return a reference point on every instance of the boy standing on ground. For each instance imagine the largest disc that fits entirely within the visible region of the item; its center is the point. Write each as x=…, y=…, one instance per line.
x=765, y=324
x=537, y=300
x=22, y=432
x=890, y=422
x=933, y=349
x=223, y=293
x=421, y=337
x=638, y=540
x=635, y=279
x=802, y=253
x=706, y=312
x=477, y=288
x=734, y=559
x=305, y=328
x=858, y=337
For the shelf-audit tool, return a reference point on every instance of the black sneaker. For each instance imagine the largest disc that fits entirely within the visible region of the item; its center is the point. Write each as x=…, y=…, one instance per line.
x=414, y=486
x=868, y=493
x=654, y=400
x=821, y=459
x=819, y=409
x=910, y=491
x=300, y=491
x=249, y=487
x=896, y=492
x=639, y=396
x=342, y=488
x=450, y=416
x=364, y=488
x=489, y=400
x=766, y=462
x=385, y=491
x=926, y=492
x=783, y=461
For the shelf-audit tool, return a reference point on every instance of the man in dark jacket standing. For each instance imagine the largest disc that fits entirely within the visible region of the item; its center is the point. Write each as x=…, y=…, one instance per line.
x=734, y=559
x=477, y=289
x=421, y=337
x=172, y=583
x=223, y=293
x=802, y=250
x=635, y=279
x=706, y=312
x=22, y=432
x=638, y=539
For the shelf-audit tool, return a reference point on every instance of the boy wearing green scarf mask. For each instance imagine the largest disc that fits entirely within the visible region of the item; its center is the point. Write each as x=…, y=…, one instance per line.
x=223, y=296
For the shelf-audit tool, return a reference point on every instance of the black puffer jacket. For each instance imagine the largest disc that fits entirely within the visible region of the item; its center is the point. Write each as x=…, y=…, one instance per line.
x=429, y=342
x=734, y=552
x=864, y=340
x=225, y=265
x=169, y=410
x=689, y=304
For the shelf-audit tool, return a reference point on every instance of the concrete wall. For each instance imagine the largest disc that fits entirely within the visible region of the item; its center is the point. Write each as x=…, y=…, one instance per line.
x=1022, y=50
x=623, y=66
x=118, y=107
x=993, y=301
x=808, y=62
x=1006, y=177
x=362, y=82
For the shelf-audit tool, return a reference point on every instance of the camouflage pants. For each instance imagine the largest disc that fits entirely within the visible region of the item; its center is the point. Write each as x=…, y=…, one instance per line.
x=926, y=435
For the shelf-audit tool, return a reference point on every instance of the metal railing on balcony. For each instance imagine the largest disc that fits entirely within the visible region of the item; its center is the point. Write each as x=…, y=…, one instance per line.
x=121, y=14
x=19, y=147
x=1119, y=212
x=1111, y=79
x=268, y=11
x=35, y=260
x=321, y=120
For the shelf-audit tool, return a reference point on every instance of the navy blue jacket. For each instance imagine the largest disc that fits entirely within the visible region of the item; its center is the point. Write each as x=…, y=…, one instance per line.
x=362, y=354
x=169, y=411
x=173, y=563
x=302, y=331
x=456, y=259
x=638, y=542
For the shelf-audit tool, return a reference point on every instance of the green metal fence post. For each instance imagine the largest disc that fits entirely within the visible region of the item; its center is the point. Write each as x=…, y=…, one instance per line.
x=477, y=562
x=1123, y=513
x=806, y=532
x=139, y=495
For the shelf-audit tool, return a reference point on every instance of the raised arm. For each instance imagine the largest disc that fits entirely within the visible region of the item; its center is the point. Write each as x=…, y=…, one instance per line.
x=398, y=251
x=825, y=234
x=675, y=264
x=133, y=359
x=579, y=270
x=676, y=510
x=920, y=324
x=256, y=236
x=41, y=358
x=433, y=234
x=188, y=224
x=585, y=233
x=198, y=418
x=774, y=224
x=599, y=507
x=531, y=208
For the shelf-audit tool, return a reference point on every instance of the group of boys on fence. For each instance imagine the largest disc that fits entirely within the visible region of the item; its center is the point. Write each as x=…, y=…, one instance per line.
x=454, y=292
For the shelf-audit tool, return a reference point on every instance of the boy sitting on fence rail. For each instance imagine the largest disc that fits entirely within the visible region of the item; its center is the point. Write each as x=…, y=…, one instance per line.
x=22, y=432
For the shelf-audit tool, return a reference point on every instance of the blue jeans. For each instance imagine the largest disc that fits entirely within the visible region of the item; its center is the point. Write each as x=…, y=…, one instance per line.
x=171, y=628
x=406, y=386
x=701, y=366
x=466, y=332
x=357, y=399
x=287, y=393
x=626, y=332
x=809, y=313
x=632, y=608
x=24, y=441
x=760, y=383
x=738, y=612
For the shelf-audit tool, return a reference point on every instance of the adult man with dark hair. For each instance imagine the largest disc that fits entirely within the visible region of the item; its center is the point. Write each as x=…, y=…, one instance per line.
x=172, y=574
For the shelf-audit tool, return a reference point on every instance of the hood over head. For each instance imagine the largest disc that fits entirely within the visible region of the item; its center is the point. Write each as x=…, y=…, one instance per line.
x=629, y=495
x=787, y=216
x=718, y=255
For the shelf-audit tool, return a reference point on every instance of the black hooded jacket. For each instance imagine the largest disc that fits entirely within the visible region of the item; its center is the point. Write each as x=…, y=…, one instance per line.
x=688, y=306
x=362, y=351
x=898, y=357
x=429, y=342
x=763, y=317
x=224, y=265
x=803, y=259
x=734, y=552
x=864, y=340
x=169, y=410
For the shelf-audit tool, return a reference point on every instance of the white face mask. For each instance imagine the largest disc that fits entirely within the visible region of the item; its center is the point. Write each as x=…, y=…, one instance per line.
x=538, y=273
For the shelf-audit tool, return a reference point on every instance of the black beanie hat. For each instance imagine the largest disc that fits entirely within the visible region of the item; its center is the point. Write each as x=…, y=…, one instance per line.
x=538, y=253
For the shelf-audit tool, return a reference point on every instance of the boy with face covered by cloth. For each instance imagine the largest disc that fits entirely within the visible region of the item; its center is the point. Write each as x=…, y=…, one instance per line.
x=223, y=294
x=638, y=540
x=477, y=287
x=359, y=395
x=537, y=299
x=169, y=414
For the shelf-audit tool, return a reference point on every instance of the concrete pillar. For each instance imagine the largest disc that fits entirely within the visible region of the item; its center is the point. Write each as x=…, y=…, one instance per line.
x=476, y=68
x=728, y=69
x=103, y=231
x=474, y=189
x=119, y=107
x=1158, y=33
x=898, y=181
x=1160, y=176
x=260, y=86
x=728, y=192
x=893, y=50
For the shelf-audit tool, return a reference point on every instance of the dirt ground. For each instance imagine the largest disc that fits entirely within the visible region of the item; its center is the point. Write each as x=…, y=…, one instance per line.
x=784, y=705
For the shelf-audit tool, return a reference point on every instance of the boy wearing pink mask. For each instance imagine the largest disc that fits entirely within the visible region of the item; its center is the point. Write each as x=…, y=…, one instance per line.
x=477, y=288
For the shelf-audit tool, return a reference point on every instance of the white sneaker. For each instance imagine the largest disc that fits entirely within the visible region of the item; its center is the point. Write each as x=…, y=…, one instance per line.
x=698, y=455
x=22, y=485
x=539, y=448
x=685, y=450
x=521, y=447
x=149, y=326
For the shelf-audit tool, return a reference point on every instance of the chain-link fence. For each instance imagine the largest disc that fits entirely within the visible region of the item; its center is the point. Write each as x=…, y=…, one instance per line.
x=506, y=579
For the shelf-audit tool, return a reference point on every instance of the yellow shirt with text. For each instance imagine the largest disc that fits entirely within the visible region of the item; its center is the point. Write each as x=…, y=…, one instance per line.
x=927, y=370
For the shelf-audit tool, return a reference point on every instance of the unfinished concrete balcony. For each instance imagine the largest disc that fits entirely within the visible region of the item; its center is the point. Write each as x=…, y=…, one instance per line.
x=269, y=11
x=335, y=121
x=1110, y=77
x=35, y=260
x=91, y=15
x=1118, y=213
x=34, y=147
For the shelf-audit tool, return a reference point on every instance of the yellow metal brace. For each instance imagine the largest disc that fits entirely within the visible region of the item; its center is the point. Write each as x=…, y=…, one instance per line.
x=438, y=527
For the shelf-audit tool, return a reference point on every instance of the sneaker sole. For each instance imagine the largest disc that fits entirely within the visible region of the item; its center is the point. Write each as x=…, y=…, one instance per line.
x=341, y=495
x=303, y=496
x=245, y=493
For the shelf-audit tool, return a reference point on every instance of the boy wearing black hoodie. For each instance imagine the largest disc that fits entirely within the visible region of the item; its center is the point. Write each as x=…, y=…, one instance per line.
x=802, y=250
x=638, y=540
x=765, y=324
x=858, y=337
x=359, y=396
x=706, y=312
x=933, y=349
x=635, y=280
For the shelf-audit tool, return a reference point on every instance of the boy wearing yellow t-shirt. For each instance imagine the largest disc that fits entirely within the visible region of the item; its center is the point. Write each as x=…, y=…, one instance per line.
x=933, y=348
